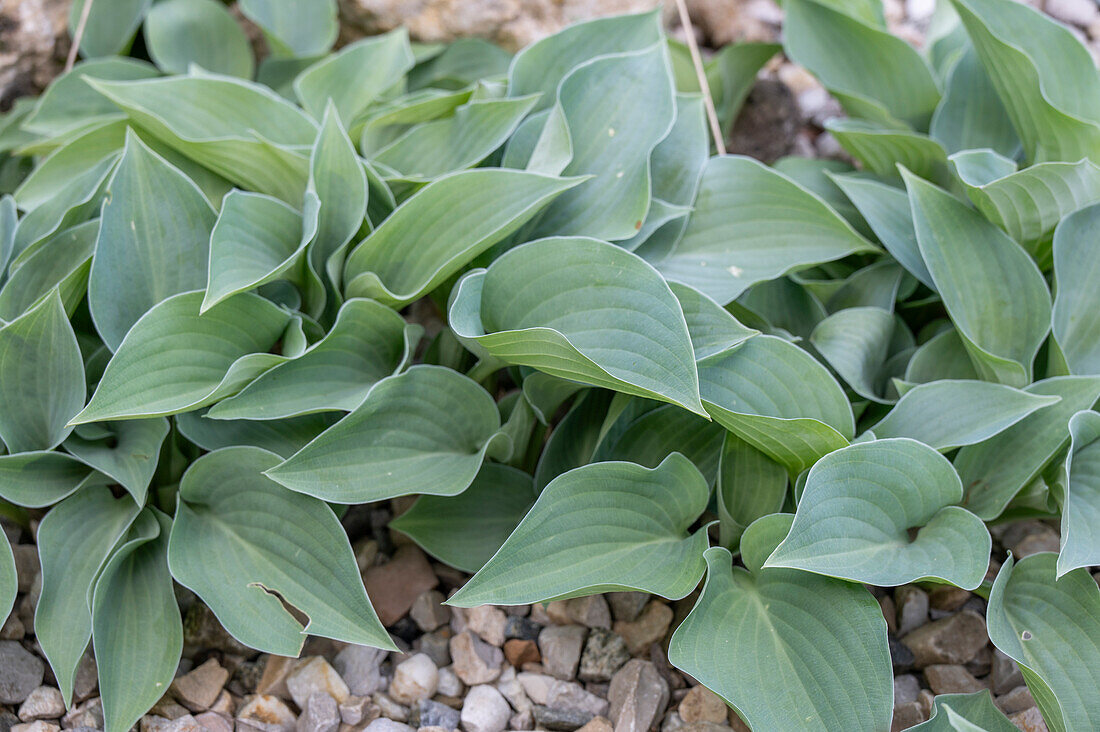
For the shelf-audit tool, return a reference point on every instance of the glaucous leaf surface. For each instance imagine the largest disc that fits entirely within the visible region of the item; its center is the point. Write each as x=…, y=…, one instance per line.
x=40, y=478
x=110, y=26
x=425, y=431
x=971, y=115
x=585, y=310
x=711, y=327
x=179, y=33
x=753, y=639
x=9, y=581
x=856, y=342
x=883, y=147
x=1050, y=626
x=588, y=533
x=1076, y=262
x=284, y=437
x=1080, y=498
x=244, y=544
x=127, y=452
x=750, y=486
x=300, y=28
x=965, y=713
x=857, y=508
x=70, y=103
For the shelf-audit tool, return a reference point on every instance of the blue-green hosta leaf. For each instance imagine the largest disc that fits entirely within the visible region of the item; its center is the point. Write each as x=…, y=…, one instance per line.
x=367, y=343
x=948, y=414
x=545, y=393
x=300, y=28
x=457, y=65
x=944, y=356
x=355, y=76
x=780, y=227
x=70, y=103
x=241, y=131
x=386, y=121
x=462, y=141
x=446, y=224
x=997, y=469
x=786, y=307
x=540, y=67
x=70, y=161
x=110, y=26
x=1029, y=203
x=136, y=624
x=62, y=262
x=9, y=219
x=541, y=143
x=9, y=581
x=873, y=74
x=817, y=176
x=464, y=531
x=284, y=437
x=618, y=107
x=653, y=436
x=750, y=486
x=778, y=398
x=994, y=293
x=1081, y=499
x=40, y=478
x=574, y=440
x=154, y=239
x=588, y=533
x=971, y=115
x=179, y=33
x=858, y=506
x=585, y=310
x=425, y=431
x=175, y=359
x=876, y=285
x=954, y=712
x=127, y=453
x=244, y=544
x=882, y=148
x=41, y=377
x=75, y=539
x=1051, y=627
x=711, y=327
x=1076, y=264
x=788, y=650
x=856, y=342
x=1045, y=77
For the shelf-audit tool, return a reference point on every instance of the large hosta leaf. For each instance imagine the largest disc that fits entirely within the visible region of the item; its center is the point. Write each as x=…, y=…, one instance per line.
x=464, y=531
x=971, y=115
x=856, y=342
x=950, y=413
x=154, y=239
x=965, y=713
x=1044, y=76
x=40, y=478
x=136, y=625
x=446, y=224
x=41, y=377
x=992, y=289
x=858, y=506
x=779, y=399
x=780, y=227
x=127, y=452
x=70, y=103
x=1076, y=266
x=617, y=107
x=1051, y=627
x=601, y=527
x=995, y=470
x=1081, y=498
x=788, y=650
x=585, y=310
x=882, y=148
x=284, y=437
x=425, y=431
x=711, y=327
x=245, y=545
x=63, y=260
x=653, y=436
x=70, y=161
x=74, y=541
x=175, y=359
x=750, y=486
x=294, y=27
x=179, y=33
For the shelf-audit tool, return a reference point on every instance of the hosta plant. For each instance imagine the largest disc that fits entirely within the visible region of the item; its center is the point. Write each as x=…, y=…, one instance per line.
x=238, y=299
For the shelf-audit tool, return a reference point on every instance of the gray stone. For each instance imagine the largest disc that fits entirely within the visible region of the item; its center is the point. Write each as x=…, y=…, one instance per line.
x=214, y=722
x=488, y=622
x=573, y=697
x=387, y=725
x=361, y=668
x=951, y=679
x=1015, y=701
x=86, y=680
x=320, y=714
x=437, y=646
x=20, y=672
x=1004, y=674
x=604, y=654
x=358, y=710
x=449, y=683
x=912, y=604
x=313, y=675
x=186, y=723
x=952, y=640
x=649, y=627
x=198, y=688
x=7, y=719
x=474, y=660
x=45, y=702
x=485, y=710
x=702, y=706
x=590, y=611
x=907, y=715
x=38, y=726
x=13, y=629
x=429, y=612
x=26, y=565
x=1075, y=12
x=509, y=686
x=906, y=689
x=266, y=713
x=627, y=605
x=521, y=721
x=1029, y=720
x=88, y=714
x=537, y=686
x=638, y=696
x=389, y=708
x=434, y=714
x=394, y=586
x=560, y=646
x=522, y=628
x=414, y=679
x=561, y=720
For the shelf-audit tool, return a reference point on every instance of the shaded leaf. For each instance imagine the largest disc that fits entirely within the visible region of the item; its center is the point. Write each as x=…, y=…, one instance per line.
x=284, y=437
x=294, y=27
x=39, y=479
x=1076, y=262
x=953, y=712
x=1081, y=496
x=110, y=26
x=971, y=115
x=179, y=33
x=750, y=486
x=128, y=453
x=856, y=342
x=882, y=148
x=711, y=327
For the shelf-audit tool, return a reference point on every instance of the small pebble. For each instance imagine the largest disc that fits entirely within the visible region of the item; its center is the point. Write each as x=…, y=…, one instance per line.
x=485, y=710
x=361, y=668
x=320, y=714
x=560, y=647
x=414, y=679
x=45, y=702
x=474, y=660
x=314, y=675
x=649, y=627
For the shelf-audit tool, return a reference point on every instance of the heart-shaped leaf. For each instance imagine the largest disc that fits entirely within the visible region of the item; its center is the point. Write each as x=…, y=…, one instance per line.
x=585, y=310
x=179, y=33
x=1081, y=496
x=995, y=470
x=588, y=533
x=753, y=639
x=778, y=398
x=1050, y=626
x=1075, y=260
x=128, y=453
x=947, y=414
x=994, y=293
x=750, y=486
x=425, y=431
x=781, y=228
x=858, y=506
x=175, y=359
x=464, y=531
x=75, y=539
x=447, y=223
x=154, y=241
x=136, y=624
x=41, y=377
x=245, y=544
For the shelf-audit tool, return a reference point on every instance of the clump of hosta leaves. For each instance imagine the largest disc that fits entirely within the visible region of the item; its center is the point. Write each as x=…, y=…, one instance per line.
x=648, y=367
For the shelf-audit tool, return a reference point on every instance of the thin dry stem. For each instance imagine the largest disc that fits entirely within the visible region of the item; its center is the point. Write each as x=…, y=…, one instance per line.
x=79, y=35
x=701, y=74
